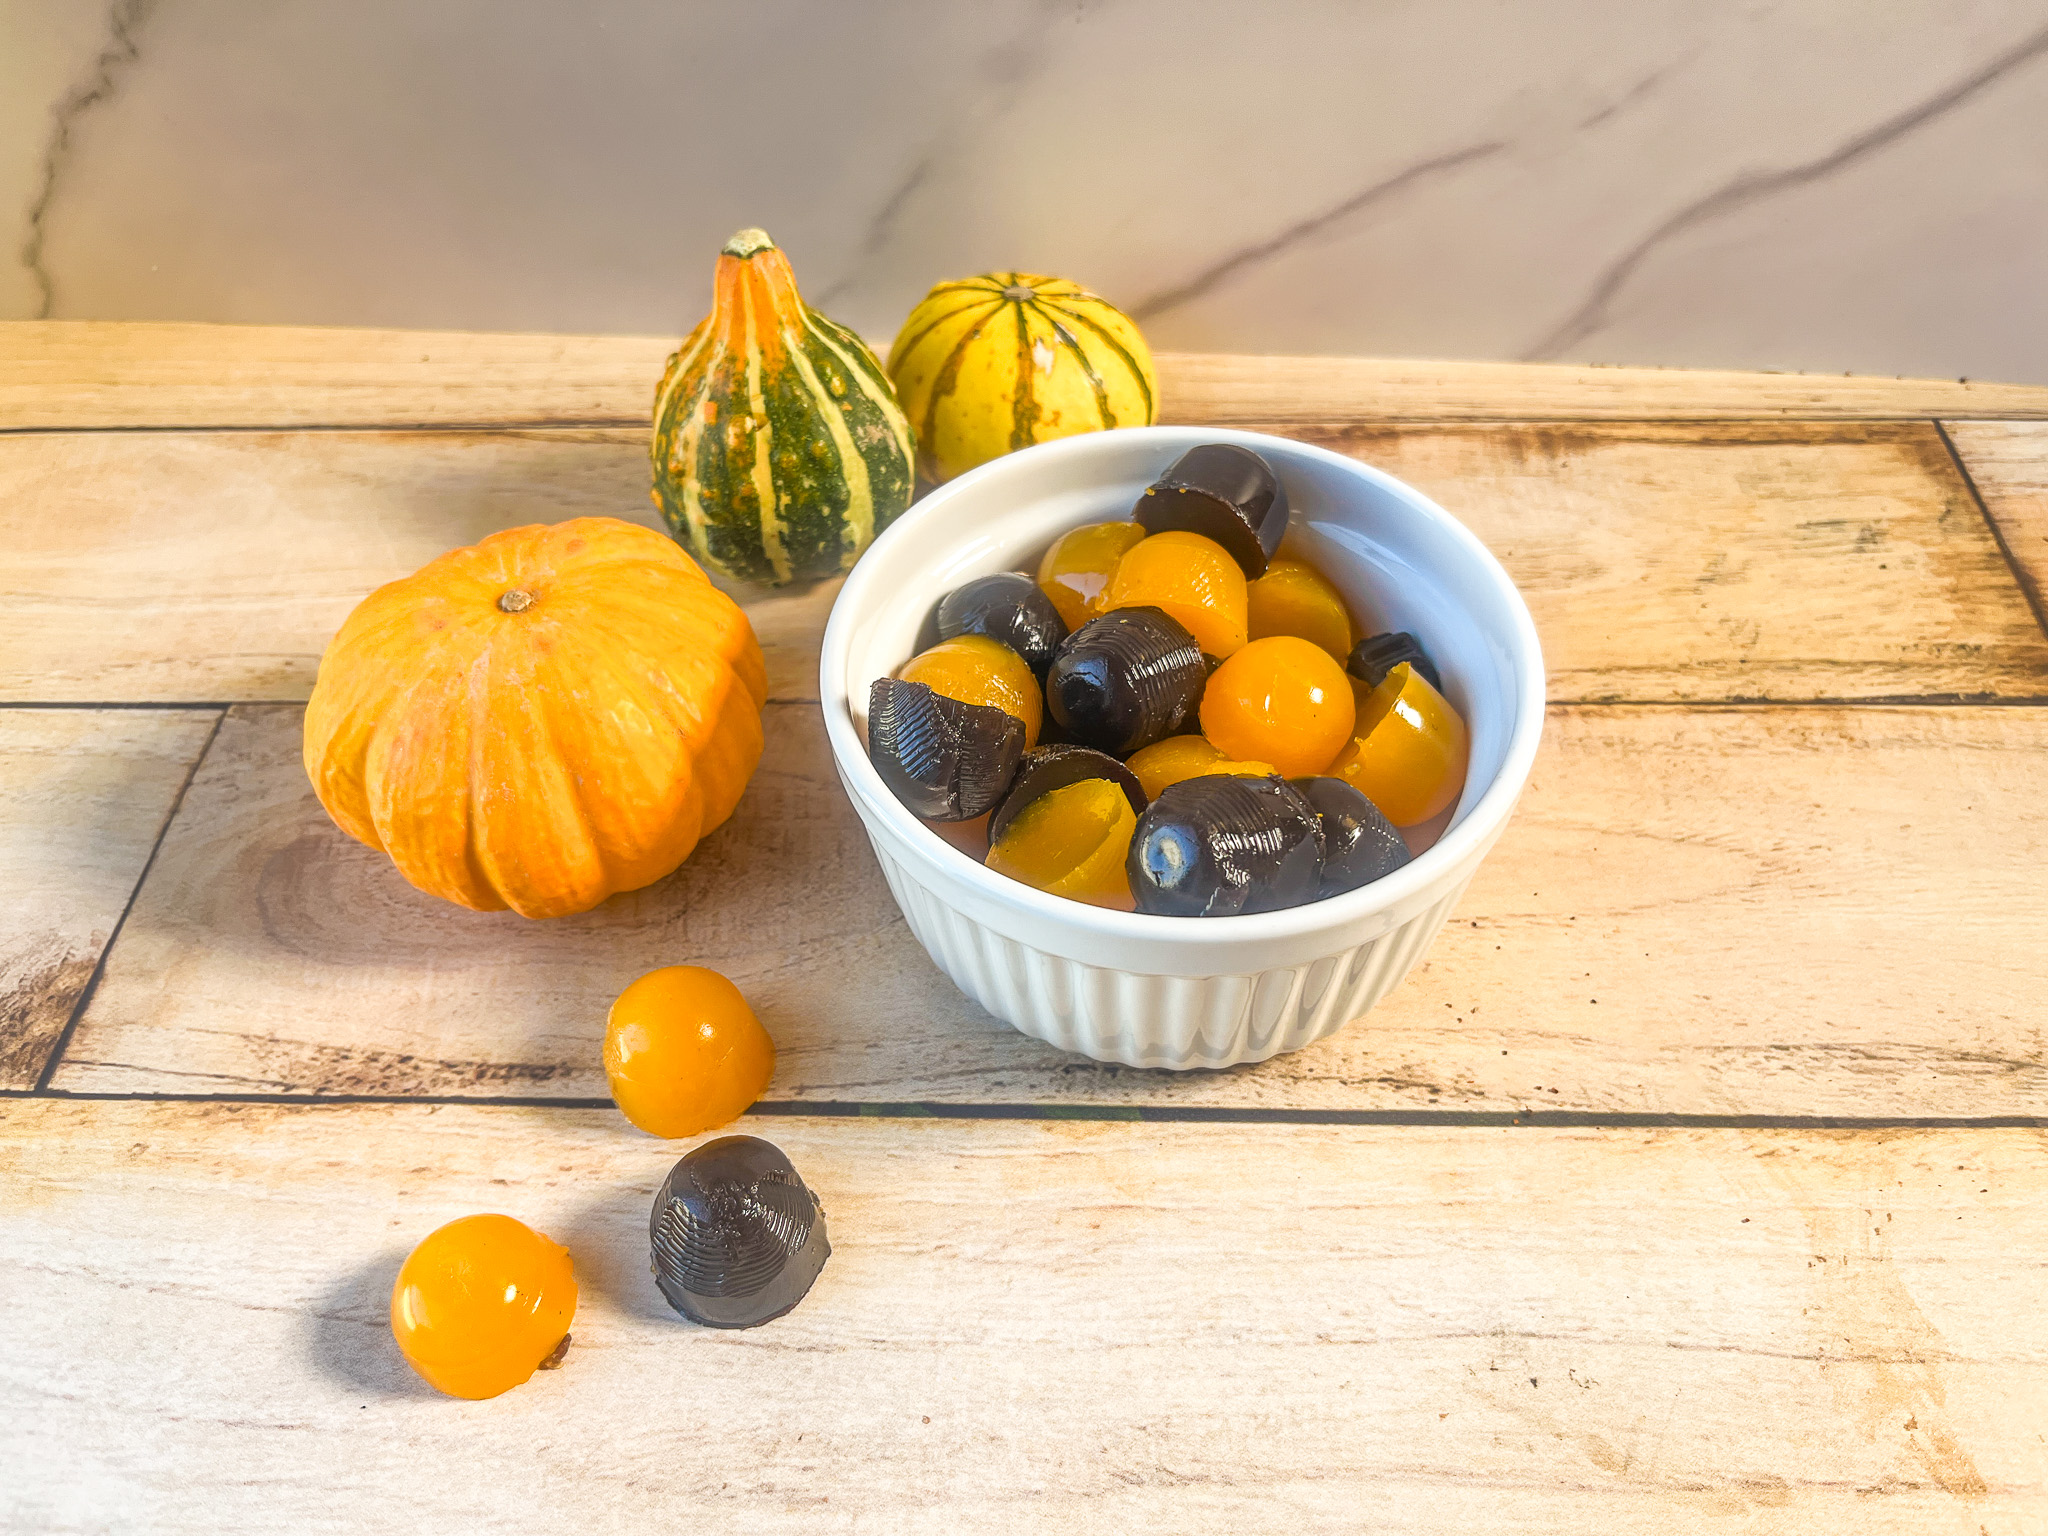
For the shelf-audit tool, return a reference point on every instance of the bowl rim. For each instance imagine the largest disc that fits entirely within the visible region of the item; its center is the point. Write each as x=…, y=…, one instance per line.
x=1459, y=846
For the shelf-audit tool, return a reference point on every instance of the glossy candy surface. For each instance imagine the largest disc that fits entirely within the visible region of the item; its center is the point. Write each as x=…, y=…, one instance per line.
x=945, y=760
x=1225, y=493
x=738, y=1238
x=1056, y=766
x=1283, y=701
x=684, y=1053
x=977, y=670
x=1377, y=655
x=1008, y=607
x=1169, y=761
x=1071, y=841
x=483, y=1303
x=1359, y=844
x=1075, y=572
x=970, y=837
x=1218, y=846
x=1294, y=598
x=1190, y=577
x=1410, y=749
x=1125, y=680
x=1186, y=757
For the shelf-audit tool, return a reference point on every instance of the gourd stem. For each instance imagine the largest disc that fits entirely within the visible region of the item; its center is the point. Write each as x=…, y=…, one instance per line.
x=515, y=601
x=748, y=242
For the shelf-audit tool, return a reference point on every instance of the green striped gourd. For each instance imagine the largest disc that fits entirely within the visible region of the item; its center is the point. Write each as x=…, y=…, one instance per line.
x=779, y=449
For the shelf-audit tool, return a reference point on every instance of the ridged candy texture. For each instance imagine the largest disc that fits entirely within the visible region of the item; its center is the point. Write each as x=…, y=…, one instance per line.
x=737, y=1237
x=1125, y=680
x=946, y=760
x=1217, y=845
x=779, y=449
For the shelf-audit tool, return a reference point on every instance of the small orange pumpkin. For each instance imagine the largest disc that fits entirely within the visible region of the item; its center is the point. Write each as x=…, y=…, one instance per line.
x=542, y=719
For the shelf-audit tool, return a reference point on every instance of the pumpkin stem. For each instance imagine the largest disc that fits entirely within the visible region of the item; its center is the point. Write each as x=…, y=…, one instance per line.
x=516, y=601
x=554, y=1359
x=748, y=242
x=1017, y=293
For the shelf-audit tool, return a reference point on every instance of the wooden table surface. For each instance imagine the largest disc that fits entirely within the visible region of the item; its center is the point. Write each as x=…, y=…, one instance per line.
x=1696, y=1182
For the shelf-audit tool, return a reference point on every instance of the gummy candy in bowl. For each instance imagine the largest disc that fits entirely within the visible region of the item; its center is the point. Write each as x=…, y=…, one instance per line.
x=1165, y=991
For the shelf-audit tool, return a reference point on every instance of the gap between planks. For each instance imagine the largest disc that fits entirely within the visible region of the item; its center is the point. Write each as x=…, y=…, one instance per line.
x=1164, y=1114
x=1278, y=428
x=2019, y=506
x=99, y=969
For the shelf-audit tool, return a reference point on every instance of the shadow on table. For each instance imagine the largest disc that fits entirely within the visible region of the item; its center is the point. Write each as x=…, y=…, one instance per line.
x=349, y=1333
x=614, y=1258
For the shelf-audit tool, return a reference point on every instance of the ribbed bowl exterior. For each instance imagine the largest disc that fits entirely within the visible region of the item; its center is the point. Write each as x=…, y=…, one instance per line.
x=1161, y=1021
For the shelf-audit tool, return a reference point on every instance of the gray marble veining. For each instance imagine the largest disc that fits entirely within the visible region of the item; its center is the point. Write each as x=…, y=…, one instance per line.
x=1823, y=184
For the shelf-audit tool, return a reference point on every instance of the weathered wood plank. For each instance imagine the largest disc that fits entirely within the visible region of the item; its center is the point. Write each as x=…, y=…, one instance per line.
x=1746, y=561
x=2009, y=463
x=1030, y=1327
x=217, y=565
x=1661, y=562
x=70, y=373
x=1254, y=391
x=1770, y=911
x=83, y=794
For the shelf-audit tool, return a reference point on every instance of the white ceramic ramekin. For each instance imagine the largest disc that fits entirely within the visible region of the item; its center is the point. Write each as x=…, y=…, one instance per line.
x=1180, y=991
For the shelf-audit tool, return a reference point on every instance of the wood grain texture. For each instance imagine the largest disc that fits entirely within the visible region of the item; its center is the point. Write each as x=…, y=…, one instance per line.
x=2008, y=461
x=71, y=373
x=1030, y=1327
x=217, y=565
x=84, y=373
x=1750, y=911
x=1752, y=561
x=83, y=795
x=1660, y=562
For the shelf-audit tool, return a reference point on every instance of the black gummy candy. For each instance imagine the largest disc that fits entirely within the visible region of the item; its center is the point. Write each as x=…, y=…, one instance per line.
x=946, y=760
x=1125, y=680
x=1008, y=606
x=1225, y=493
x=1377, y=655
x=1359, y=844
x=737, y=1237
x=1220, y=845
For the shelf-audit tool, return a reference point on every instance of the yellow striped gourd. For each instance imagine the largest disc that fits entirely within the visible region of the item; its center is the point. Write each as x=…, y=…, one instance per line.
x=995, y=363
x=779, y=449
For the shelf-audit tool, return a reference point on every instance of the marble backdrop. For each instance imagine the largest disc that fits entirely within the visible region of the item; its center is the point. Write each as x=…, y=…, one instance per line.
x=1813, y=184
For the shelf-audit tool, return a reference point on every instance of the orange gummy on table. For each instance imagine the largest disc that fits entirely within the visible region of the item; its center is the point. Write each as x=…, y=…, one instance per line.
x=1294, y=598
x=481, y=1303
x=1283, y=701
x=684, y=1053
x=1075, y=572
x=1410, y=749
x=977, y=670
x=1192, y=579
